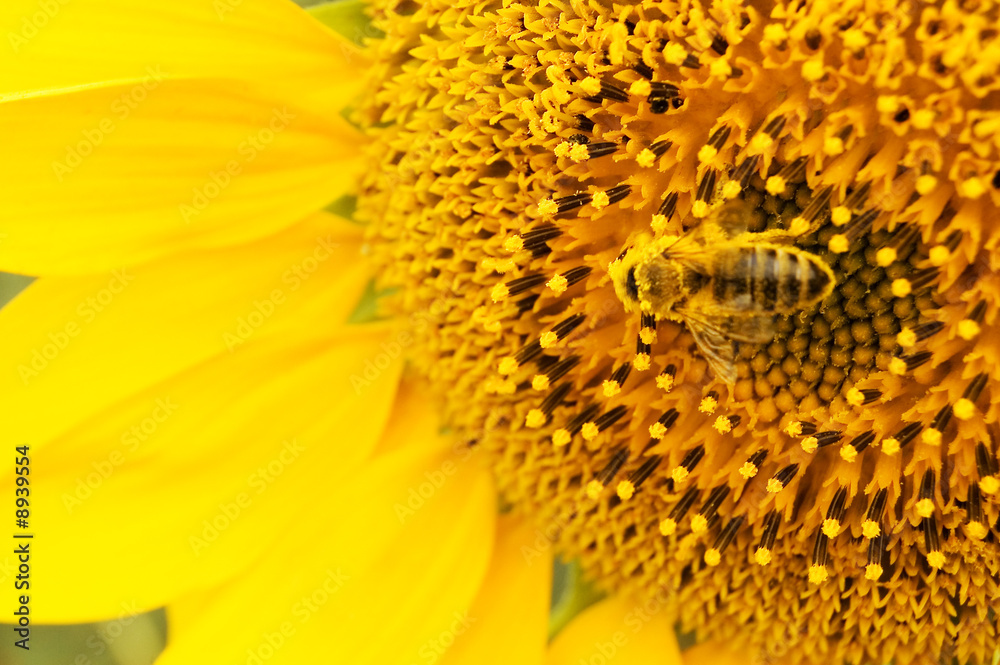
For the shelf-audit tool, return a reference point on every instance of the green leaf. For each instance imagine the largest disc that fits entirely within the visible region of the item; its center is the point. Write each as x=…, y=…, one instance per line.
x=571, y=594
x=348, y=18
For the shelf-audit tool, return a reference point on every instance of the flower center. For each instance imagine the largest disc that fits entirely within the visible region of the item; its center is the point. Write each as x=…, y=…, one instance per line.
x=714, y=286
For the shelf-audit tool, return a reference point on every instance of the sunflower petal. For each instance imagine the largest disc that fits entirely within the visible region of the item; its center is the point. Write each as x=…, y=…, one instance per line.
x=618, y=630
x=139, y=128
x=59, y=45
x=87, y=343
x=383, y=570
x=112, y=176
x=511, y=611
x=146, y=429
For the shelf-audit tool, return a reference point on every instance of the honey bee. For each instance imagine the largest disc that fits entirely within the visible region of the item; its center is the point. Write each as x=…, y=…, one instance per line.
x=723, y=283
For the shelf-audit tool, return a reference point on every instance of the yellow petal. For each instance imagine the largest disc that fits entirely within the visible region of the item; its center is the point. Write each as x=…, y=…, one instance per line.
x=511, y=610
x=139, y=128
x=85, y=344
x=268, y=44
x=383, y=570
x=619, y=630
x=112, y=176
x=159, y=456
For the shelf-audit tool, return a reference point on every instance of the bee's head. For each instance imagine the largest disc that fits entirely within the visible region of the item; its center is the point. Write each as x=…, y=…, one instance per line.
x=623, y=275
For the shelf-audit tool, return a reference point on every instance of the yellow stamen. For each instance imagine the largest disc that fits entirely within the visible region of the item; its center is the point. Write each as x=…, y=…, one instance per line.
x=699, y=524
x=840, y=215
x=839, y=244
x=646, y=158
x=968, y=329
x=818, y=574
x=547, y=207
x=707, y=153
x=901, y=287
x=548, y=339
x=514, y=243
x=578, y=153
x=938, y=255
x=664, y=382
x=885, y=256
x=499, y=292
x=870, y=529
x=591, y=86
x=897, y=366
x=508, y=366
x=964, y=409
x=924, y=508
x=535, y=419
x=600, y=200
x=925, y=184
x=558, y=284
x=906, y=338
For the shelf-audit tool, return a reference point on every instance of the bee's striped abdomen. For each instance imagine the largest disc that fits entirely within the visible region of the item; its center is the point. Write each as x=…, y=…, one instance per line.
x=769, y=279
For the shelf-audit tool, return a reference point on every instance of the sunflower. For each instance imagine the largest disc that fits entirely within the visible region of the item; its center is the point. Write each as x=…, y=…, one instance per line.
x=819, y=481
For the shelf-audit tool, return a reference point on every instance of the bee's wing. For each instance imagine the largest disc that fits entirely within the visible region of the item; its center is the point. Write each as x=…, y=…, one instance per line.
x=690, y=251
x=753, y=329
x=715, y=334
x=717, y=348
x=731, y=218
